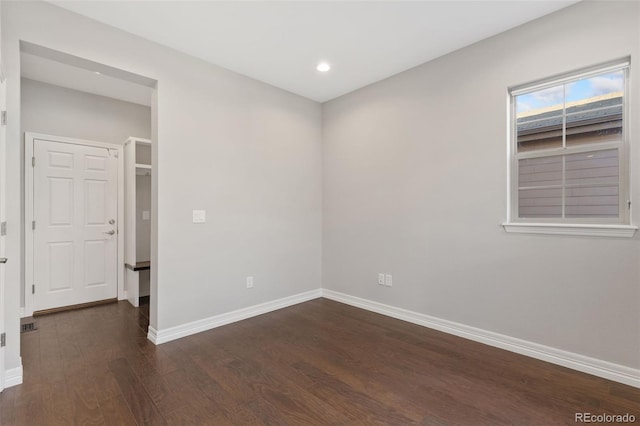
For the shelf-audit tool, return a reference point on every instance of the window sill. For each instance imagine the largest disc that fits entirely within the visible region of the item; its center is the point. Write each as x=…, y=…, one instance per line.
x=623, y=231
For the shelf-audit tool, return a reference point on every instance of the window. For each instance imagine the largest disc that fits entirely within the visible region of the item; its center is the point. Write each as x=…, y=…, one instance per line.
x=569, y=149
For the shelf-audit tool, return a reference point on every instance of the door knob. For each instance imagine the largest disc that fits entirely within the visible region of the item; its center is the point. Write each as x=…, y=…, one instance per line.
x=3, y=260
x=110, y=232
x=112, y=221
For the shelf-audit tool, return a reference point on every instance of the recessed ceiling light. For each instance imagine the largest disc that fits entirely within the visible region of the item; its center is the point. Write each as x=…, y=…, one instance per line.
x=97, y=73
x=323, y=67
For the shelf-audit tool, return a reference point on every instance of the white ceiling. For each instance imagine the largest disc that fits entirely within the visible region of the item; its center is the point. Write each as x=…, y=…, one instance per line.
x=281, y=43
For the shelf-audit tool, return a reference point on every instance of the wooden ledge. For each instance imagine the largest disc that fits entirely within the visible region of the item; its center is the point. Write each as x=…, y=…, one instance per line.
x=140, y=266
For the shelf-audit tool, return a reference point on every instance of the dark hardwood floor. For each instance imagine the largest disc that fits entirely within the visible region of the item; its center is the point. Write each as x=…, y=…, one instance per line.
x=317, y=363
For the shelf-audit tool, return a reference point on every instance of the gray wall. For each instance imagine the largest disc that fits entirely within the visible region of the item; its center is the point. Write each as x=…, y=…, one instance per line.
x=246, y=152
x=415, y=175
x=60, y=111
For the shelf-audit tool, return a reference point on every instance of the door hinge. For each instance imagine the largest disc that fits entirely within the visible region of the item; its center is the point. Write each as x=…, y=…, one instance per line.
x=3, y=340
x=3, y=118
x=33, y=225
x=33, y=289
x=629, y=204
x=3, y=229
x=33, y=161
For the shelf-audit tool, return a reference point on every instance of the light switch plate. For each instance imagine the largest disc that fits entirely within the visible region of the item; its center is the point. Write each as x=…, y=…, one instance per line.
x=199, y=216
x=249, y=282
x=388, y=280
x=145, y=215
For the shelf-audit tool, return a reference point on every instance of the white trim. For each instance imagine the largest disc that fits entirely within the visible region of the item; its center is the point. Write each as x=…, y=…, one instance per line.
x=570, y=77
x=136, y=139
x=13, y=376
x=590, y=230
x=22, y=313
x=579, y=149
x=621, y=144
x=596, y=367
x=152, y=335
x=29, y=138
x=172, y=333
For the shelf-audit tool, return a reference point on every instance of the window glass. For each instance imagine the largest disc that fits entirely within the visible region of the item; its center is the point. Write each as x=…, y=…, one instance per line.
x=539, y=119
x=570, y=153
x=594, y=109
x=540, y=191
x=592, y=180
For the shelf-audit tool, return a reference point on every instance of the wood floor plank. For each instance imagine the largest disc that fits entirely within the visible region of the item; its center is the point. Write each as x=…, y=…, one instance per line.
x=293, y=402
x=241, y=391
x=316, y=363
x=7, y=406
x=86, y=409
x=58, y=403
x=213, y=391
x=107, y=387
x=403, y=365
x=29, y=408
x=136, y=397
x=363, y=384
x=188, y=416
x=166, y=398
x=115, y=411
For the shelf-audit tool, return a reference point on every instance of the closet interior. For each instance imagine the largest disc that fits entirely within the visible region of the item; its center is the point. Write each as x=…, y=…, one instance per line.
x=137, y=241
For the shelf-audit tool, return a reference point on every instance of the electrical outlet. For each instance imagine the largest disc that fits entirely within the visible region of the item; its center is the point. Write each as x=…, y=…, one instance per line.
x=388, y=280
x=249, y=282
x=381, y=279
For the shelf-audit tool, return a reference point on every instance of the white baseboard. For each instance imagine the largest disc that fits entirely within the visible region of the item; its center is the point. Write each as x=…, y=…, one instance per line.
x=13, y=376
x=597, y=367
x=162, y=336
x=152, y=334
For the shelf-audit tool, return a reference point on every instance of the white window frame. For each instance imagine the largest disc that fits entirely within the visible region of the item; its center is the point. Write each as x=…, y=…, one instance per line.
x=621, y=226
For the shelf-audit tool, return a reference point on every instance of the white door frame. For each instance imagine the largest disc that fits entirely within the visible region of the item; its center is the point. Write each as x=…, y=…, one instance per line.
x=3, y=208
x=29, y=138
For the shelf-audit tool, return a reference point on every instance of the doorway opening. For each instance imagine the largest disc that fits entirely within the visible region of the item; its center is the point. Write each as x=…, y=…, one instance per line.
x=77, y=117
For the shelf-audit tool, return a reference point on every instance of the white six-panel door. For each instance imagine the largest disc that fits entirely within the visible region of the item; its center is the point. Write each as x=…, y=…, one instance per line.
x=75, y=213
